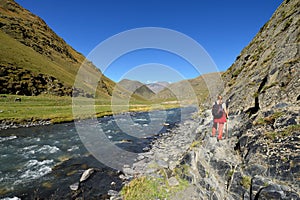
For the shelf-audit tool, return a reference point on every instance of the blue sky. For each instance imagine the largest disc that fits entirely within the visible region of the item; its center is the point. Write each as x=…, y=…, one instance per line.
x=222, y=28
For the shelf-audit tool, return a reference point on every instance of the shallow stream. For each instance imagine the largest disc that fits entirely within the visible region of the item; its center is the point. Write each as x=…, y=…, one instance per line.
x=41, y=161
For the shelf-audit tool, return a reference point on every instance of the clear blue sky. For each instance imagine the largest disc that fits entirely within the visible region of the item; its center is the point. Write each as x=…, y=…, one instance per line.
x=222, y=27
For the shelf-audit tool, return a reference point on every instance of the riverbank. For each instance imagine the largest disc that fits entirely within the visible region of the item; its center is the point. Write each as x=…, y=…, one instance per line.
x=158, y=170
x=49, y=160
x=190, y=164
x=27, y=111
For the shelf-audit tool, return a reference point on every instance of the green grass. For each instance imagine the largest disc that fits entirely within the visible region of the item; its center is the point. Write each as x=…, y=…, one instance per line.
x=292, y=128
x=59, y=109
x=149, y=188
x=269, y=86
x=230, y=174
x=246, y=182
x=29, y=59
x=144, y=188
x=14, y=53
x=237, y=72
x=287, y=131
x=268, y=120
x=182, y=170
x=195, y=143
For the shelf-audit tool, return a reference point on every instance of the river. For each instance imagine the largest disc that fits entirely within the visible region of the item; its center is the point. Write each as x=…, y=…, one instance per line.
x=43, y=161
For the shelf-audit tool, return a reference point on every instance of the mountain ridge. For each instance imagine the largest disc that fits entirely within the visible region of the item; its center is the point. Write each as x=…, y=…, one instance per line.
x=53, y=57
x=198, y=89
x=137, y=88
x=157, y=86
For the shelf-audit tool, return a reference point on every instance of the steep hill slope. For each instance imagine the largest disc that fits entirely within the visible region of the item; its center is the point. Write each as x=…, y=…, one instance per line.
x=267, y=70
x=31, y=50
x=263, y=85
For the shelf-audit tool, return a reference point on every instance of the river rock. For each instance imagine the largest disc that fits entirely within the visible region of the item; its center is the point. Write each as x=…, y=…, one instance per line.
x=112, y=193
x=162, y=163
x=86, y=174
x=140, y=157
x=74, y=186
x=128, y=171
x=173, y=181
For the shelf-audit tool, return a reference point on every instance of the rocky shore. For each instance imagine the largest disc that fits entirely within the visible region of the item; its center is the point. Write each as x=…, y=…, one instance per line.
x=216, y=170
x=10, y=124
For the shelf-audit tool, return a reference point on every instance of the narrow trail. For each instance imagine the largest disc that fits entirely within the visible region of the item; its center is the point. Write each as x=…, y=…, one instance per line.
x=190, y=142
x=209, y=181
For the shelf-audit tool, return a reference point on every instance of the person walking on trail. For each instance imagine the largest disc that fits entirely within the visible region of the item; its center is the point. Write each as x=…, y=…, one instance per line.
x=220, y=115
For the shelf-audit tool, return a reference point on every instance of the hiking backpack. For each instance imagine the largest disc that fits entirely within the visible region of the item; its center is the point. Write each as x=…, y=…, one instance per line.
x=217, y=111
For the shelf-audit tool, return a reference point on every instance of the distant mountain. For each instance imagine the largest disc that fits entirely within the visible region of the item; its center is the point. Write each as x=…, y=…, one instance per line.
x=158, y=86
x=35, y=60
x=137, y=88
x=192, y=89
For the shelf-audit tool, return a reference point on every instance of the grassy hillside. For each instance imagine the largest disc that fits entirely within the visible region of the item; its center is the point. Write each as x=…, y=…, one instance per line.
x=202, y=87
x=27, y=42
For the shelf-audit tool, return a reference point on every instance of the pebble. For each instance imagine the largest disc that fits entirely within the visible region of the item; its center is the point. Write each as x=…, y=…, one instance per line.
x=140, y=157
x=128, y=171
x=112, y=193
x=74, y=186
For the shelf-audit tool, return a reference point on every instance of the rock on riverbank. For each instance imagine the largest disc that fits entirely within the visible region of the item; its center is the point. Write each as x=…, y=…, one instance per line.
x=221, y=170
x=165, y=152
x=7, y=124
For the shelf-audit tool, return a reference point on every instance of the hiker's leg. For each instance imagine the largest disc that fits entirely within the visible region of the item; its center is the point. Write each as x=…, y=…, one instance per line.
x=214, y=129
x=220, y=129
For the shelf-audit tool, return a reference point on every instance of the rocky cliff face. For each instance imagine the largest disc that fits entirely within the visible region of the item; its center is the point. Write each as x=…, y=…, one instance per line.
x=266, y=73
x=262, y=159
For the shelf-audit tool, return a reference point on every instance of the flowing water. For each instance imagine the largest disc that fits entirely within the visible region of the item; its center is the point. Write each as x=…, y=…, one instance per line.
x=45, y=158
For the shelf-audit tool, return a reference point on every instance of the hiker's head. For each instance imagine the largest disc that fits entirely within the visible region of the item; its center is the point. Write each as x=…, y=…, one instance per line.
x=219, y=99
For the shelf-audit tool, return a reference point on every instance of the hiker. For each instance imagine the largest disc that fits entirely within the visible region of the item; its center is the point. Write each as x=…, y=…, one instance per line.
x=220, y=115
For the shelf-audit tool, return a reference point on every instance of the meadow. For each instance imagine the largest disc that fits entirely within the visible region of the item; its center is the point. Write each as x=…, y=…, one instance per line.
x=58, y=109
